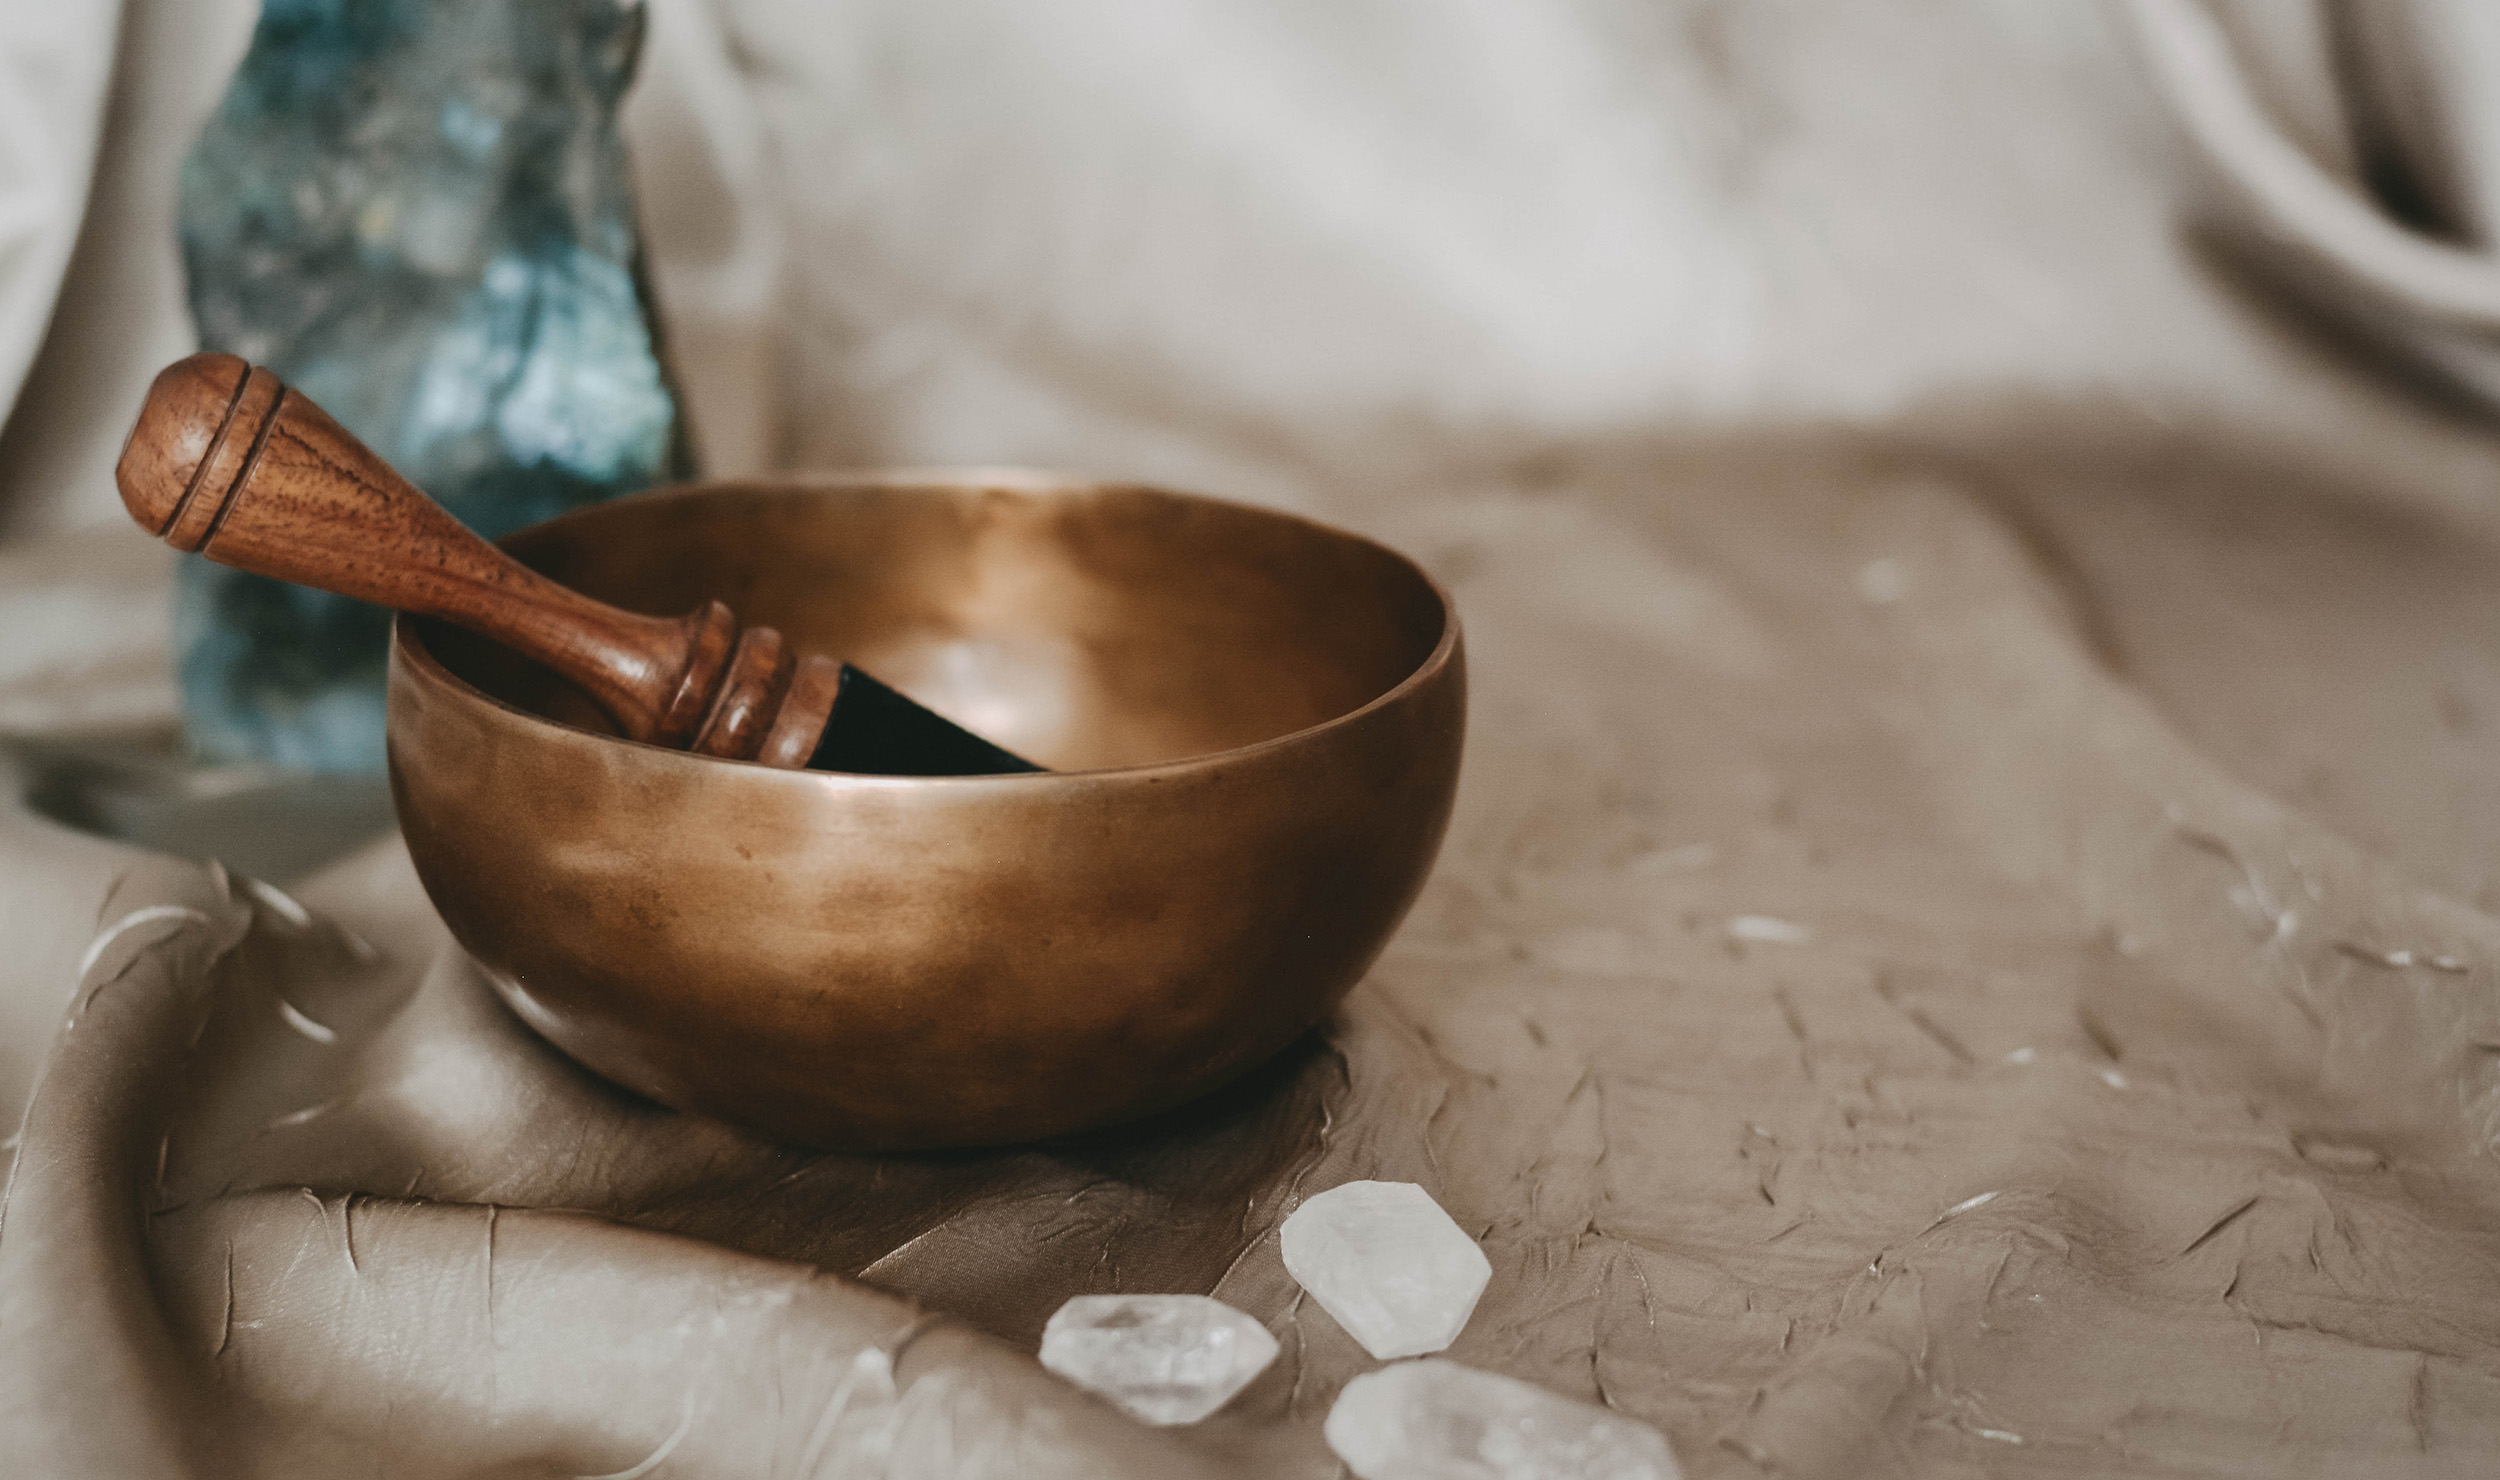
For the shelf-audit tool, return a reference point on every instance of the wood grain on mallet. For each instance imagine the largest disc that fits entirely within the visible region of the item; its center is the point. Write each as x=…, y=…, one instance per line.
x=228, y=462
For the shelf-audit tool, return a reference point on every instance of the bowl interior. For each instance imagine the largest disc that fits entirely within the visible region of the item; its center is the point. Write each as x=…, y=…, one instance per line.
x=1083, y=628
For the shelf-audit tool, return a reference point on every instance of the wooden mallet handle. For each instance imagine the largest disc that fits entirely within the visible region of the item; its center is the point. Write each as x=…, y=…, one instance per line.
x=228, y=462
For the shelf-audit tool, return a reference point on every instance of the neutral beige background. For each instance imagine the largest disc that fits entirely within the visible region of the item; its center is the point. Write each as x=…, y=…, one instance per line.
x=1884, y=497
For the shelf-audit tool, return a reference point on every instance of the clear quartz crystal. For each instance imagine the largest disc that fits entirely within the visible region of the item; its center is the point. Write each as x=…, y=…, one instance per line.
x=1165, y=1359
x=1437, y=1420
x=1394, y=1270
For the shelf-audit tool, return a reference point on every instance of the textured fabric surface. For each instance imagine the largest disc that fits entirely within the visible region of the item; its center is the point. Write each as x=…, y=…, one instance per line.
x=2091, y=668
x=55, y=62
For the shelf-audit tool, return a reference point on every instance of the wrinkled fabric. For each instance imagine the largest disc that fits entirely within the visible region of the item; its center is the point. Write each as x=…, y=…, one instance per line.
x=2111, y=1115
x=55, y=64
x=1967, y=942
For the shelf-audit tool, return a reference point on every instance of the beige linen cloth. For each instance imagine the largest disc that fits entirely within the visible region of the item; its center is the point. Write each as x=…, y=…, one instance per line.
x=1968, y=944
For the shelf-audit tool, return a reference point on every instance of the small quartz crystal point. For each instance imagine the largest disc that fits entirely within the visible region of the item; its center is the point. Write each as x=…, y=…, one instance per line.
x=874, y=731
x=1437, y=1420
x=1394, y=1270
x=1164, y=1359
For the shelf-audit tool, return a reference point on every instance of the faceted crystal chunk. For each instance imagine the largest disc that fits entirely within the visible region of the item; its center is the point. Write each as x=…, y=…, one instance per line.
x=1384, y=1260
x=1166, y=1359
x=1436, y=1420
x=420, y=216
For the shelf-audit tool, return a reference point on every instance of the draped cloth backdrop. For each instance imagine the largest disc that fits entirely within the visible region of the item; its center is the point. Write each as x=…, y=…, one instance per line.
x=2008, y=491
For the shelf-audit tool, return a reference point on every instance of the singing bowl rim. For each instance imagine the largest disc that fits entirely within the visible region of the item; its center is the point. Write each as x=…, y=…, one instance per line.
x=1208, y=975
x=410, y=648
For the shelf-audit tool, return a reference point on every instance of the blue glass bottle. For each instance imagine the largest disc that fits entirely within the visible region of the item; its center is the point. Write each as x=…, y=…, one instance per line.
x=418, y=212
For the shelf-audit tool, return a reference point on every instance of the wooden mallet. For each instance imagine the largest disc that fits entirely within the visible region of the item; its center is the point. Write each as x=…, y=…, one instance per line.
x=227, y=462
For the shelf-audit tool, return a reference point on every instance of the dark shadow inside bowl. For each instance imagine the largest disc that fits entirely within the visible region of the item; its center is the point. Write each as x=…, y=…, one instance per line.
x=1084, y=629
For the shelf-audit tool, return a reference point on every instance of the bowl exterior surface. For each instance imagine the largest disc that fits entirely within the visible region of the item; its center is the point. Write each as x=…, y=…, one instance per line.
x=888, y=962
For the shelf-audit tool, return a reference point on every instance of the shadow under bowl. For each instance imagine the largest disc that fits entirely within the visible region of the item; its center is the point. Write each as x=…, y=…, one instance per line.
x=1253, y=724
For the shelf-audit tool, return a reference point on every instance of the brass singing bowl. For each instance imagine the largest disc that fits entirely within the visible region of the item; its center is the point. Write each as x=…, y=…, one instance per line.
x=1253, y=725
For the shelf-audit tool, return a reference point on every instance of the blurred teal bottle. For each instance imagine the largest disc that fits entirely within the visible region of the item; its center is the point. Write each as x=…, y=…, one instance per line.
x=418, y=213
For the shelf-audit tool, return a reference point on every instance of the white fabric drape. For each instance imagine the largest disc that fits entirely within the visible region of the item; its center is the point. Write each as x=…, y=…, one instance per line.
x=1894, y=486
